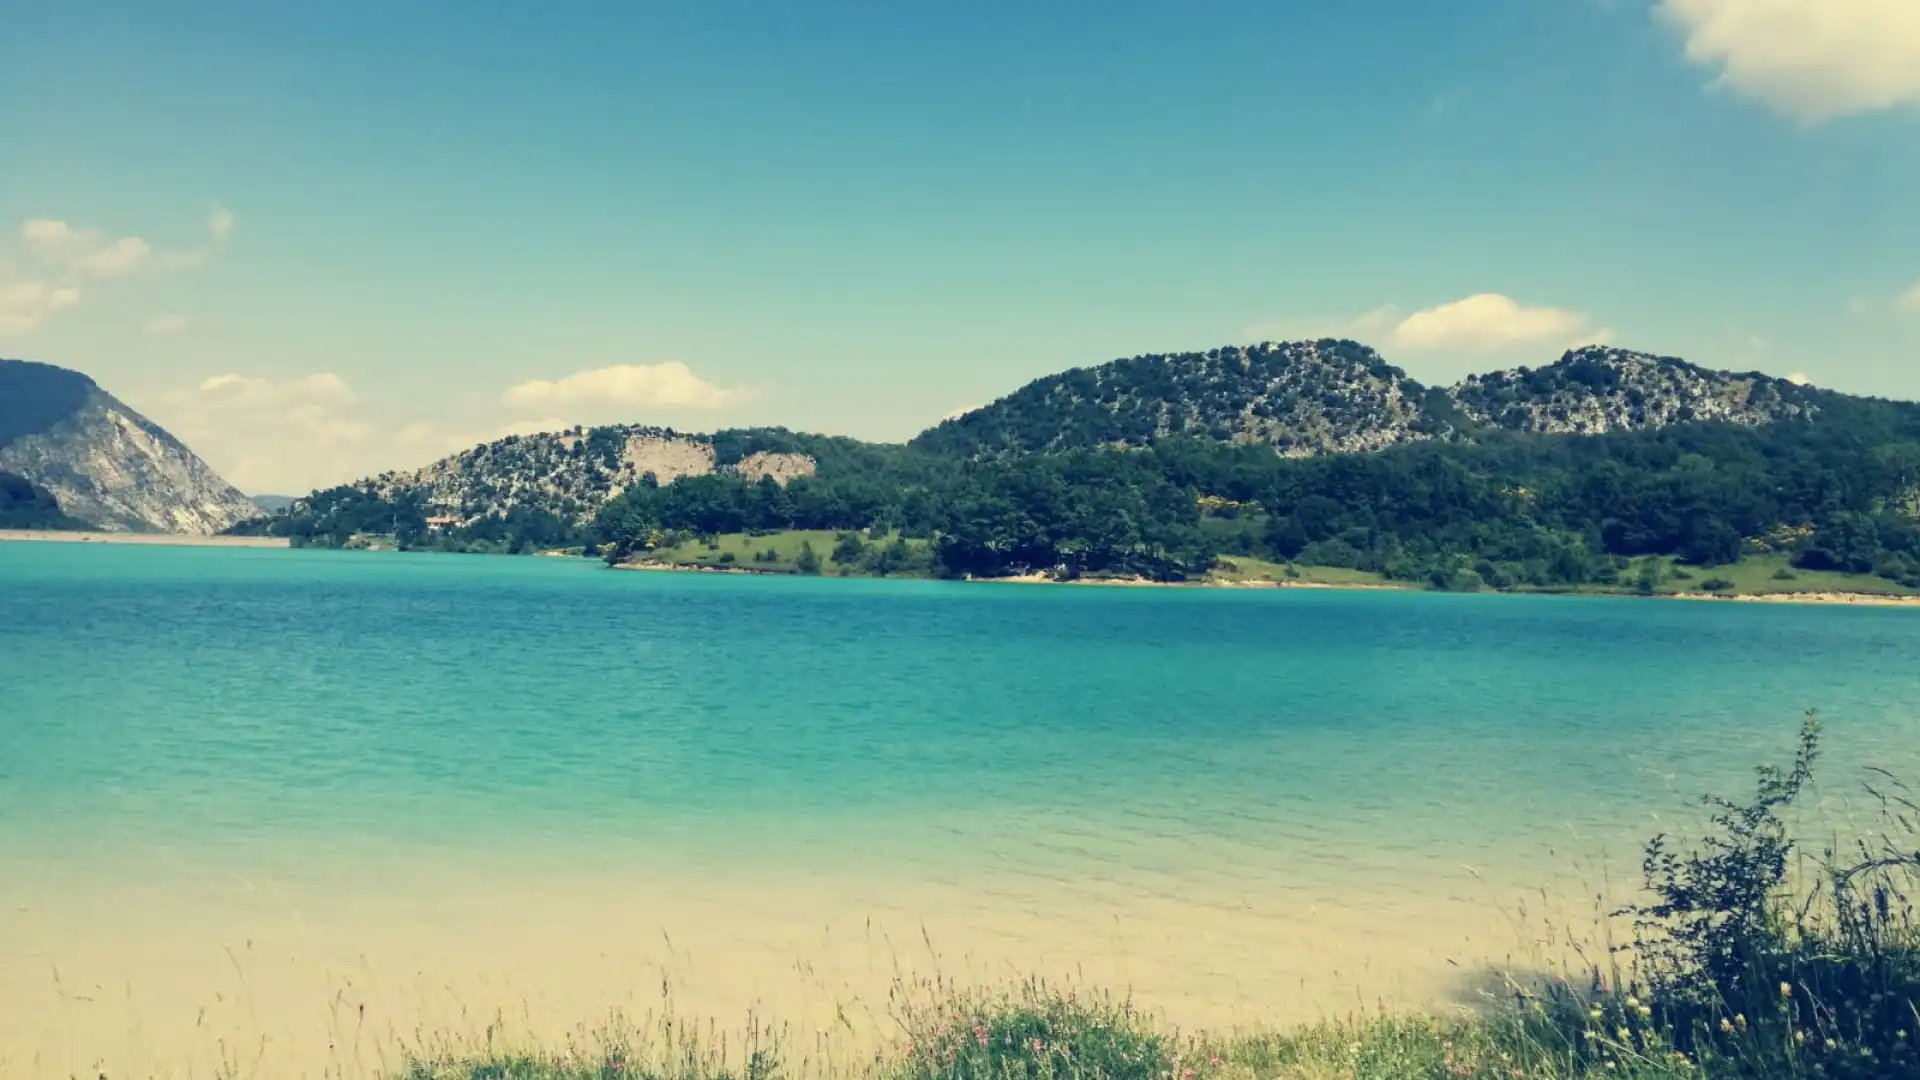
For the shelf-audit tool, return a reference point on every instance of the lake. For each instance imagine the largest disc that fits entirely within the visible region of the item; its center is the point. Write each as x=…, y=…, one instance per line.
x=282, y=807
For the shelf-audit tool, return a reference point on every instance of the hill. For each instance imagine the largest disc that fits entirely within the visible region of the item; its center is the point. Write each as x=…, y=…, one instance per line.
x=103, y=462
x=1573, y=475
x=1317, y=397
x=1308, y=397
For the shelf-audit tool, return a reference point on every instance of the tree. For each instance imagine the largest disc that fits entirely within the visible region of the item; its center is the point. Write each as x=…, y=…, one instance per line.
x=808, y=562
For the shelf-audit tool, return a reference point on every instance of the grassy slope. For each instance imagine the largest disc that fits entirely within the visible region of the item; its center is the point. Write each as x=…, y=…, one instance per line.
x=1755, y=576
x=785, y=544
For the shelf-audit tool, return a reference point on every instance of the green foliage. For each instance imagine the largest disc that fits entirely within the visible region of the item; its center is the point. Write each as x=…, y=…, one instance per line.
x=1754, y=979
x=27, y=506
x=848, y=549
x=808, y=562
x=1717, y=584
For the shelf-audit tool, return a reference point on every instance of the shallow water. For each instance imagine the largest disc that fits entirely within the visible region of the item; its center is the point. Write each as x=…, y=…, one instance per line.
x=244, y=794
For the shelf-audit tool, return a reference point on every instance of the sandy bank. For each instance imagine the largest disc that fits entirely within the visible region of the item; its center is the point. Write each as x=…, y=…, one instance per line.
x=165, y=539
x=1861, y=599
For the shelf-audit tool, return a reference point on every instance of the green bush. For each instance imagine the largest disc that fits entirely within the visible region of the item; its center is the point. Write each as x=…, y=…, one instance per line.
x=1717, y=584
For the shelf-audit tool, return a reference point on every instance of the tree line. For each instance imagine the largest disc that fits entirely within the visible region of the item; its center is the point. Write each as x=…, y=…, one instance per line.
x=1503, y=509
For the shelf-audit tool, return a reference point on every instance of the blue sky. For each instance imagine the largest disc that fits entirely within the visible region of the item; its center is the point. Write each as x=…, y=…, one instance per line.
x=319, y=243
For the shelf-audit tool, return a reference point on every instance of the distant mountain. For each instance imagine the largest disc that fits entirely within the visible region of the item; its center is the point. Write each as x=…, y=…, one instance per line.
x=271, y=503
x=1316, y=397
x=103, y=462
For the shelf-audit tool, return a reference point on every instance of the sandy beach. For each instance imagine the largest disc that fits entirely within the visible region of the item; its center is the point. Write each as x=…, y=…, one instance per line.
x=164, y=539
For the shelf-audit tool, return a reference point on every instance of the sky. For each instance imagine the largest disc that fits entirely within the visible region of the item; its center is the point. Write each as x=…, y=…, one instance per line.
x=322, y=241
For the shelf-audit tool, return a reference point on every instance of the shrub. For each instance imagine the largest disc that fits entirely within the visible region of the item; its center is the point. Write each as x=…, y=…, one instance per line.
x=725, y=557
x=1745, y=974
x=1784, y=574
x=1717, y=584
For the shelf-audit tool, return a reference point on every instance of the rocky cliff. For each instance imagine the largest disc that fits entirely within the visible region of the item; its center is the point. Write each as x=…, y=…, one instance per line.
x=105, y=463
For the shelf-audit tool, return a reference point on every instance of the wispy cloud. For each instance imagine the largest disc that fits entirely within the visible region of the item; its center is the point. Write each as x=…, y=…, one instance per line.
x=1910, y=300
x=220, y=221
x=25, y=304
x=1809, y=59
x=167, y=325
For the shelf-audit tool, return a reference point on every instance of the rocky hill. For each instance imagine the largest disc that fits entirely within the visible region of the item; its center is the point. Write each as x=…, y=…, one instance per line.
x=1597, y=389
x=1316, y=397
x=571, y=473
x=1307, y=397
x=103, y=462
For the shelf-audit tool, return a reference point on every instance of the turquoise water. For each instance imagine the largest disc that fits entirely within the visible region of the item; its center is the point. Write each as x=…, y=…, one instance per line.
x=368, y=730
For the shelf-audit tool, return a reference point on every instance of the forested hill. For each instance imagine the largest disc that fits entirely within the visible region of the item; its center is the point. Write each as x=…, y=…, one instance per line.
x=1316, y=397
x=1550, y=477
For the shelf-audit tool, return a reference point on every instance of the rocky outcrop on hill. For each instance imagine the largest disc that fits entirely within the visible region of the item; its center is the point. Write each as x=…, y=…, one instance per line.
x=1597, y=389
x=105, y=463
x=569, y=473
x=1321, y=397
x=1304, y=397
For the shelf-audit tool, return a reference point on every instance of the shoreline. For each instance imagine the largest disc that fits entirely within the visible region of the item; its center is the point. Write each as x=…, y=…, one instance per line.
x=154, y=539
x=1820, y=597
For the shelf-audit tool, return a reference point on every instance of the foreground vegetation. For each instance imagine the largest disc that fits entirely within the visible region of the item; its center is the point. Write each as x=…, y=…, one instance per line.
x=1739, y=968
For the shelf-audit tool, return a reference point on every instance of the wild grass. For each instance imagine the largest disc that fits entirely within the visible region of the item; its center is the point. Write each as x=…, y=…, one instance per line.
x=1737, y=969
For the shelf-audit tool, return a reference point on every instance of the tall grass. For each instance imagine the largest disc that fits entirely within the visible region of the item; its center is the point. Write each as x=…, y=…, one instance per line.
x=1737, y=968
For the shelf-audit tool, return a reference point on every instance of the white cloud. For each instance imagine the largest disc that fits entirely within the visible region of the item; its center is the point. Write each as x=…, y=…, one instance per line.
x=1910, y=300
x=274, y=435
x=219, y=221
x=669, y=384
x=1857, y=305
x=1488, y=321
x=57, y=238
x=1810, y=59
x=1799, y=378
x=1484, y=322
x=24, y=305
x=118, y=259
x=167, y=325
